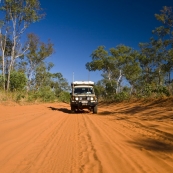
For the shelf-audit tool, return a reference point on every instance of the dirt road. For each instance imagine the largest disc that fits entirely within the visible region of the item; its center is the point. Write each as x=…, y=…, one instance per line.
x=121, y=138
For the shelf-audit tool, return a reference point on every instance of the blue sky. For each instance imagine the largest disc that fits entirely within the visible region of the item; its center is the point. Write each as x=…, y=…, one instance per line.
x=78, y=27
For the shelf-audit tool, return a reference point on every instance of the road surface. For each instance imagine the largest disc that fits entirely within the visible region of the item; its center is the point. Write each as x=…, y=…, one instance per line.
x=121, y=138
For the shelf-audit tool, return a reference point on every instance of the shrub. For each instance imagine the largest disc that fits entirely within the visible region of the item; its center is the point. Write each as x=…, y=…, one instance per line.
x=64, y=97
x=17, y=81
x=19, y=97
x=161, y=90
x=46, y=94
x=122, y=96
x=148, y=90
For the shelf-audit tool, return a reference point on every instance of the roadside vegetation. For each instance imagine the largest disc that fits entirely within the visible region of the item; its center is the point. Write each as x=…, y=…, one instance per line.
x=141, y=74
x=25, y=73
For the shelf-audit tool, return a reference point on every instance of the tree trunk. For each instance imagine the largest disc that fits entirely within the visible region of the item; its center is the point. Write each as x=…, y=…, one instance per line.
x=9, y=74
x=3, y=70
x=3, y=46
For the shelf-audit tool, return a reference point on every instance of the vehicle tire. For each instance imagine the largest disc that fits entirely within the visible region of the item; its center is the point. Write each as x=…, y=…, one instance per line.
x=95, y=109
x=72, y=109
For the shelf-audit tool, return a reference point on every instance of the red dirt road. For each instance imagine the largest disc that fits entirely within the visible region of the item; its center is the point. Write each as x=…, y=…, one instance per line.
x=121, y=138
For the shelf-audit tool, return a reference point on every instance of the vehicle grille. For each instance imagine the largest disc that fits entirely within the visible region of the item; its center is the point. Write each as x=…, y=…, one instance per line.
x=83, y=98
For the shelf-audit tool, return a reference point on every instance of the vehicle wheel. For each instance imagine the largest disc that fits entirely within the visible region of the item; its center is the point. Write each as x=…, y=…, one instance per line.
x=72, y=109
x=95, y=109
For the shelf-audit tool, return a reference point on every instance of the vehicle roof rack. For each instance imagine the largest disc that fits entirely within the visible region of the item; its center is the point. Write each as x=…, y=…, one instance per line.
x=82, y=83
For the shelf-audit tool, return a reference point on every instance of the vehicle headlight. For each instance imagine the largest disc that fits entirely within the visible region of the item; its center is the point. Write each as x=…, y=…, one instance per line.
x=90, y=98
x=76, y=98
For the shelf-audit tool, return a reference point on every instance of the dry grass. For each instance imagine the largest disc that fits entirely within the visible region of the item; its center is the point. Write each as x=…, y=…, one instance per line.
x=10, y=97
x=160, y=102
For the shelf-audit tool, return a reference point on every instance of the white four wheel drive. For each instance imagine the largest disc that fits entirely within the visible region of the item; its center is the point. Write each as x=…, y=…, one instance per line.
x=83, y=96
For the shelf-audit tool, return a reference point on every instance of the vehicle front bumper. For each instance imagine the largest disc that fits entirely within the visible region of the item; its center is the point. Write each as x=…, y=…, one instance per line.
x=83, y=103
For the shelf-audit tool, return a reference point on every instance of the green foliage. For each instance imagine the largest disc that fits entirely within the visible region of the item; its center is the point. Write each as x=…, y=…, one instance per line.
x=64, y=97
x=1, y=81
x=148, y=71
x=166, y=16
x=147, y=91
x=16, y=96
x=18, y=81
x=19, y=96
x=99, y=90
x=37, y=70
x=17, y=16
x=99, y=57
x=110, y=88
x=121, y=58
x=161, y=91
x=29, y=60
x=46, y=94
x=122, y=96
x=25, y=11
x=155, y=91
x=59, y=83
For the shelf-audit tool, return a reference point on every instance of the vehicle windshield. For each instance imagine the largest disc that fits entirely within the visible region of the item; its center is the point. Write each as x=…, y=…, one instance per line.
x=84, y=90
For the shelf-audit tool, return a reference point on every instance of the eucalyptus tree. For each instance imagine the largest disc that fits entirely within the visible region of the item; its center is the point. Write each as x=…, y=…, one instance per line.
x=36, y=55
x=102, y=61
x=46, y=82
x=166, y=17
x=165, y=35
x=17, y=17
x=99, y=89
x=42, y=76
x=152, y=59
x=146, y=64
x=5, y=47
x=18, y=81
x=119, y=61
x=3, y=40
x=59, y=83
x=126, y=60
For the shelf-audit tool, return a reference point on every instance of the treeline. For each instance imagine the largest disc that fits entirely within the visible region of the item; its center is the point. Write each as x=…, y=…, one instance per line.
x=23, y=66
x=26, y=72
x=148, y=71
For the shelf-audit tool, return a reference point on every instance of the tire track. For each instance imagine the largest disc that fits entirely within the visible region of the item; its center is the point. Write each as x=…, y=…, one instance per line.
x=122, y=149
x=46, y=151
x=44, y=140
x=89, y=161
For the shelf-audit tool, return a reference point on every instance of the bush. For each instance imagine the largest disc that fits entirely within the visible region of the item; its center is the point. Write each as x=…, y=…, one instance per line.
x=64, y=97
x=32, y=96
x=17, y=81
x=19, y=97
x=1, y=81
x=46, y=94
x=122, y=96
x=148, y=90
x=161, y=90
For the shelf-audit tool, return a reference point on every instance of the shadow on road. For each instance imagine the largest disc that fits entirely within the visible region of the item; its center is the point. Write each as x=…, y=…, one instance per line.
x=82, y=111
x=105, y=113
x=153, y=145
x=67, y=111
x=52, y=108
